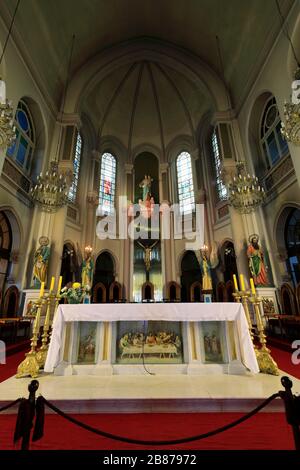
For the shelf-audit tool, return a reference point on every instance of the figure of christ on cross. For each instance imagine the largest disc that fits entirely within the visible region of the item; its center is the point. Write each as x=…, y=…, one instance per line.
x=147, y=254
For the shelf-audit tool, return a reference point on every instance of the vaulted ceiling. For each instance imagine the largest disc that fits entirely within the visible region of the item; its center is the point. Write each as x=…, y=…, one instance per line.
x=247, y=30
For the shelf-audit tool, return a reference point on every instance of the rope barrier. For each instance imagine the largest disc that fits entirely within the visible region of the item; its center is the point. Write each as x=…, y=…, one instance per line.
x=161, y=443
x=10, y=405
x=31, y=415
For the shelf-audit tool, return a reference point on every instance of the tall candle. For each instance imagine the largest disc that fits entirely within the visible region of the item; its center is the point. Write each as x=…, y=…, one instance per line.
x=42, y=289
x=235, y=283
x=252, y=286
x=59, y=285
x=52, y=284
x=242, y=282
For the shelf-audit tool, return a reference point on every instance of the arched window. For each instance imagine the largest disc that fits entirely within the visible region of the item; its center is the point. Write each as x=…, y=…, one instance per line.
x=185, y=183
x=292, y=241
x=222, y=193
x=23, y=147
x=76, y=169
x=107, y=188
x=272, y=143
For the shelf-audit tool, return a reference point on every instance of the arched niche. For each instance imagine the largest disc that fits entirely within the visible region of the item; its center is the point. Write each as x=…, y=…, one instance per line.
x=228, y=257
x=104, y=270
x=10, y=244
x=190, y=273
x=146, y=163
x=147, y=291
x=70, y=269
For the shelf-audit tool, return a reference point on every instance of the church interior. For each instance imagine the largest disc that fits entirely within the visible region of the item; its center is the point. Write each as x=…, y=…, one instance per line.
x=150, y=217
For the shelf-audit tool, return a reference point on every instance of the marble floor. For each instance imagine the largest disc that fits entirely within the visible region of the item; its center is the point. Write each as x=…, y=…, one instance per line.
x=152, y=393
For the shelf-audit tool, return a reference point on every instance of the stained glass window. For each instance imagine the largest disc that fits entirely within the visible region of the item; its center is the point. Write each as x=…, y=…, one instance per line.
x=220, y=186
x=21, y=151
x=185, y=183
x=273, y=144
x=107, y=183
x=76, y=169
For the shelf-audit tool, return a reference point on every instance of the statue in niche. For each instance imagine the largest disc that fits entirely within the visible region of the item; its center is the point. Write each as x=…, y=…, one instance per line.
x=147, y=203
x=145, y=184
x=206, y=272
x=147, y=254
x=41, y=260
x=256, y=262
x=87, y=271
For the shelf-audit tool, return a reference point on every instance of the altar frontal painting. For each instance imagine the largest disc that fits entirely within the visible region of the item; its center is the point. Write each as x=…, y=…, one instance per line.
x=152, y=343
x=87, y=343
x=212, y=335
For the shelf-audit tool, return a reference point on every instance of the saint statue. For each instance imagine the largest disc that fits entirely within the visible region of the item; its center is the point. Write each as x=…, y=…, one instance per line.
x=206, y=272
x=147, y=254
x=146, y=185
x=256, y=262
x=41, y=259
x=87, y=271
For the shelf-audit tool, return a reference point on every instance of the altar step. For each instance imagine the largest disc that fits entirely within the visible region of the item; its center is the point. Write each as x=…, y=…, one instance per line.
x=149, y=394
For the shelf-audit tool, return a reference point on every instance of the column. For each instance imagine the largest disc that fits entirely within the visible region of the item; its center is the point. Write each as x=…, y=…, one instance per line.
x=128, y=244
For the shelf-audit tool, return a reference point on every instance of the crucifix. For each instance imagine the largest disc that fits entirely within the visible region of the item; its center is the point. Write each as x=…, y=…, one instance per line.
x=147, y=256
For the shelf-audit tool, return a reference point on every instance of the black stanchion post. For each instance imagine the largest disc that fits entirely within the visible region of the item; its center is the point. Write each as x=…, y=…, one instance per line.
x=32, y=388
x=291, y=409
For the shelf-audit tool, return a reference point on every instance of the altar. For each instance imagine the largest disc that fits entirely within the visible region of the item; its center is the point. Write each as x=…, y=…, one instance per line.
x=160, y=338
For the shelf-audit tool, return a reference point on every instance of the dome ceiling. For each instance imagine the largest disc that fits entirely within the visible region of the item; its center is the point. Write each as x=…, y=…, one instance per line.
x=247, y=30
x=146, y=101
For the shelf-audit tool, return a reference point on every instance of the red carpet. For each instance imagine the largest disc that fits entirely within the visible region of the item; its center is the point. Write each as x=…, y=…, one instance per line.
x=263, y=431
x=284, y=361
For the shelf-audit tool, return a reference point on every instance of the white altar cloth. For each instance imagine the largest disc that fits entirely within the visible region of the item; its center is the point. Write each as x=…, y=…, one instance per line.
x=190, y=312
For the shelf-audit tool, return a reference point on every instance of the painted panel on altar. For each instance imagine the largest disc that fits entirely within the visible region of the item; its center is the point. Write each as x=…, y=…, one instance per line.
x=213, y=342
x=86, y=351
x=151, y=342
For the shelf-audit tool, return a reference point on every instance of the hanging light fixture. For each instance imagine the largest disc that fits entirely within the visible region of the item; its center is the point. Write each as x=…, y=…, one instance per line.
x=290, y=129
x=7, y=128
x=51, y=189
x=245, y=193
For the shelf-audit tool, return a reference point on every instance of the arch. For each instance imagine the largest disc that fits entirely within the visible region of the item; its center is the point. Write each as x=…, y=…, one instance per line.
x=113, y=145
x=294, y=35
x=173, y=291
x=221, y=292
x=11, y=301
x=147, y=291
x=100, y=65
x=280, y=222
x=190, y=273
x=288, y=300
x=147, y=148
x=196, y=291
x=99, y=293
x=258, y=141
x=230, y=291
x=113, y=257
x=228, y=258
x=104, y=269
x=70, y=269
x=40, y=135
x=115, y=292
x=179, y=144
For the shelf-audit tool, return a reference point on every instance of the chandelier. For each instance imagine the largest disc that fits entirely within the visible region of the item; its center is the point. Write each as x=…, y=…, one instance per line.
x=7, y=128
x=291, y=128
x=51, y=190
x=245, y=193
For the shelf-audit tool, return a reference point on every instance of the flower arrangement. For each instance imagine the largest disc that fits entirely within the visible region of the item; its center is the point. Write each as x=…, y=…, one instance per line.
x=76, y=293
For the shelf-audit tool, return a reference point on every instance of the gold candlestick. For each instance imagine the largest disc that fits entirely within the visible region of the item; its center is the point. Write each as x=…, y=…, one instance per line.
x=42, y=353
x=30, y=365
x=266, y=363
